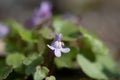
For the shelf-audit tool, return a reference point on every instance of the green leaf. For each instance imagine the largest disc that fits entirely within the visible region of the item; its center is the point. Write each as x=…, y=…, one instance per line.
x=68, y=29
x=67, y=59
x=47, y=33
x=93, y=43
x=50, y=78
x=93, y=70
x=63, y=62
x=41, y=45
x=109, y=65
x=107, y=61
x=24, y=33
x=88, y=54
x=30, y=59
x=15, y=60
x=41, y=73
x=15, y=44
x=31, y=66
x=4, y=70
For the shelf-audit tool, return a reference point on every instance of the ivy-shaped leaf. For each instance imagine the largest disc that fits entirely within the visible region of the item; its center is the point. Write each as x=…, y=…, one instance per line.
x=68, y=29
x=93, y=43
x=30, y=59
x=4, y=70
x=24, y=33
x=93, y=70
x=50, y=78
x=109, y=65
x=15, y=60
x=41, y=73
x=31, y=65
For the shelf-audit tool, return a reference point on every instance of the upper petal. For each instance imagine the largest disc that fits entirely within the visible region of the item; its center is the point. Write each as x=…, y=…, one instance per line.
x=65, y=50
x=58, y=37
x=57, y=53
x=51, y=47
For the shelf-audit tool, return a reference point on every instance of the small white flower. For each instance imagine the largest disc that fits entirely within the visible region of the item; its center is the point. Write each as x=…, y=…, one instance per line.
x=56, y=46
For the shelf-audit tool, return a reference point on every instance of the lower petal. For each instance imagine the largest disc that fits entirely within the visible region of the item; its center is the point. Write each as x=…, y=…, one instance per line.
x=65, y=50
x=51, y=47
x=57, y=53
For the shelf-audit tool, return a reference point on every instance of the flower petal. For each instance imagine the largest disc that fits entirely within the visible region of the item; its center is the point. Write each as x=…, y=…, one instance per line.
x=65, y=50
x=51, y=47
x=57, y=53
x=4, y=30
x=58, y=37
x=45, y=6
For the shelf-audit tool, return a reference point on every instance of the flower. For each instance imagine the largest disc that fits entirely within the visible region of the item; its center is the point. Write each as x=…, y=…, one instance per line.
x=41, y=15
x=4, y=30
x=57, y=46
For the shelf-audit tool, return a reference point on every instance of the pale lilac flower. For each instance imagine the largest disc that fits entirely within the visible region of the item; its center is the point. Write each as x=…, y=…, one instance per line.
x=4, y=30
x=42, y=14
x=57, y=46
